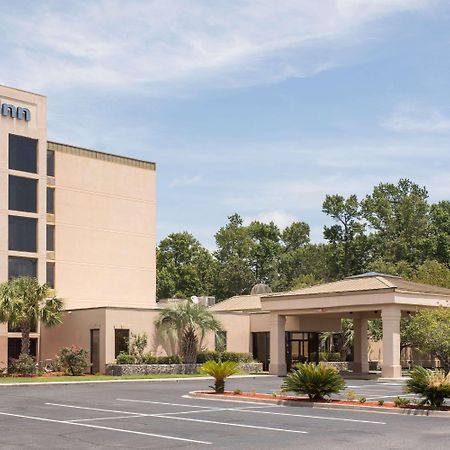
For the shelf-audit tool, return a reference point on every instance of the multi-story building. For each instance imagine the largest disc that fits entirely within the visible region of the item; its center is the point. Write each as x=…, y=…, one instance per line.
x=83, y=222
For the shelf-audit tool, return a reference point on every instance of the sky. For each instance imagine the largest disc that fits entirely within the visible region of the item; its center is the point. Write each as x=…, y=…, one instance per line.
x=258, y=107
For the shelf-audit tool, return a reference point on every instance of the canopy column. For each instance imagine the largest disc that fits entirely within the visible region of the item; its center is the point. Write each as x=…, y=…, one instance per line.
x=277, y=364
x=390, y=316
x=360, y=346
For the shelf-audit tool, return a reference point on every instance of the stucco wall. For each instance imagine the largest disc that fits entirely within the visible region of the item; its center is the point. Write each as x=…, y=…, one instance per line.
x=108, y=210
x=237, y=327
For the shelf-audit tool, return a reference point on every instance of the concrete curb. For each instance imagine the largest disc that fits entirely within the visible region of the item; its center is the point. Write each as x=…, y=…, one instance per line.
x=65, y=383
x=317, y=405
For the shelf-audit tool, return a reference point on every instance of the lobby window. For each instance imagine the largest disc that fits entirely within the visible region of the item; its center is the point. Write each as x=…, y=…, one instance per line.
x=21, y=267
x=50, y=238
x=121, y=338
x=22, y=234
x=50, y=163
x=50, y=200
x=22, y=153
x=221, y=341
x=22, y=194
x=51, y=274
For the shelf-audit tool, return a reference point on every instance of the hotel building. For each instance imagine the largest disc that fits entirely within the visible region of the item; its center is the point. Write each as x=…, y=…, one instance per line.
x=83, y=222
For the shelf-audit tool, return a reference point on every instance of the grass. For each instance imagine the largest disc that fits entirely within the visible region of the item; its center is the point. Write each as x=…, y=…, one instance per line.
x=67, y=378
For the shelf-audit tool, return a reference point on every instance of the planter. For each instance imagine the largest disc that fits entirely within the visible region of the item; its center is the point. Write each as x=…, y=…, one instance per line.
x=157, y=369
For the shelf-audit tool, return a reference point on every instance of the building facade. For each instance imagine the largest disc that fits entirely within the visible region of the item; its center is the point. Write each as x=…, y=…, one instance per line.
x=83, y=222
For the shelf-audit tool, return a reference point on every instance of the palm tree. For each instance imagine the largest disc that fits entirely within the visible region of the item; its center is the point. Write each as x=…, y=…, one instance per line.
x=23, y=301
x=190, y=322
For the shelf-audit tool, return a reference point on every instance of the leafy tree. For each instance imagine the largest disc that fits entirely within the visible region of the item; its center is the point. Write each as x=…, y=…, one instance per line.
x=190, y=322
x=295, y=236
x=430, y=333
x=399, y=216
x=346, y=237
x=184, y=267
x=433, y=272
x=23, y=302
x=440, y=231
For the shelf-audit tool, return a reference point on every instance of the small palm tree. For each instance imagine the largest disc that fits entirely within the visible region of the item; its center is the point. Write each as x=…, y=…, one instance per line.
x=219, y=371
x=314, y=380
x=190, y=322
x=23, y=301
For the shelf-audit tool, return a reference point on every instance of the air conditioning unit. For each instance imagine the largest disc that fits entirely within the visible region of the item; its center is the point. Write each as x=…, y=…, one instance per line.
x=207, y=301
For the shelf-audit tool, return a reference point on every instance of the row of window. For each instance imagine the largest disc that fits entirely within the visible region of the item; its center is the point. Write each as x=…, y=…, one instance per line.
x=27, y=267
x=23, y=155
x=23, y=235
x=23, y=195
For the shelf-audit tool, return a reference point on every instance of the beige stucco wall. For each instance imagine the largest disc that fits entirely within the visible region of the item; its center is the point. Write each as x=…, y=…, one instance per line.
x=108, y=210
x=36, y=128
x=237, y=327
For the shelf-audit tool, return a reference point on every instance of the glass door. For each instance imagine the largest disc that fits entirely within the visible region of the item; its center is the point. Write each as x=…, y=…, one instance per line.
x=95, y=351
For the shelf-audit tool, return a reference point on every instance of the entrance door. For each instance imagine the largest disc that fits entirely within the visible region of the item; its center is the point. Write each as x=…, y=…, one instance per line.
x=95, y=351
x=261, y=348
x=301, y=347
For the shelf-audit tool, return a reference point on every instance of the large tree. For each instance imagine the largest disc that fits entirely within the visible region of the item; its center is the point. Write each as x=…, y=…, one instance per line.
x=346, y=236
x=440, y=232
x=399, y=216
x=24, y=302
x=184, y=267
x=190, y=322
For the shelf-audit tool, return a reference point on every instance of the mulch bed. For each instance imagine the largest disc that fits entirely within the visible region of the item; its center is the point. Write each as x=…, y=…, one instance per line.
x=257, y=395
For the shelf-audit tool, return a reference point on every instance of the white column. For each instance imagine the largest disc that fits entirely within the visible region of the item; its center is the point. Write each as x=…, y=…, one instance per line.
x=277, y=364
x=360, y=346
x=391, y=342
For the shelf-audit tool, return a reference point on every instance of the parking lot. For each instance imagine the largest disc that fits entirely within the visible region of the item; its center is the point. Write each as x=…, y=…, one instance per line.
x=158, y=415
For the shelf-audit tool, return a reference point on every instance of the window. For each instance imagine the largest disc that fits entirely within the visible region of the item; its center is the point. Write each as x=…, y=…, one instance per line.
x=15, y=347
x=21, y=267
x=221, y=341
x=51, y=274
x=50, y=238
x=22, y=194
x=22, y=234
x=50, y=163
x=50, y=201
x=22, y=153
x=121, y=337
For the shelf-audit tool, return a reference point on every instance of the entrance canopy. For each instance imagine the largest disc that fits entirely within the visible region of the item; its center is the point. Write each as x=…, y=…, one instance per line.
x=361, y=297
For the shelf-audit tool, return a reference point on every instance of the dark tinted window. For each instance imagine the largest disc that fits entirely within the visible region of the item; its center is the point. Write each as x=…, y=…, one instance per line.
x=121, y=337
x=50, y=163
x=51, y=274
x=22, y=234
x=50, y=238
x=14, y=347
x=22, y=194
x=21, y=267
x=50, y=200
x=22, y=153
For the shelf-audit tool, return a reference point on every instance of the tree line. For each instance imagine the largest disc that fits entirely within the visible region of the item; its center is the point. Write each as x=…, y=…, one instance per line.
x=394, y=230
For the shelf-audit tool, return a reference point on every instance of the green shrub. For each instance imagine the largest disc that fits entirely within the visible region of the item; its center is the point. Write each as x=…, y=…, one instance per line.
x=172, y=359
x=219, y=370
x=224, y=356
x=137, y=344
x=433, y=385
x=351, y=395
x=237, y=392
x=314, y=380
x=380, y=402
x=74, y=360
x=401, y=402
x=125, y=358
x=362, y=399
x=23, y=365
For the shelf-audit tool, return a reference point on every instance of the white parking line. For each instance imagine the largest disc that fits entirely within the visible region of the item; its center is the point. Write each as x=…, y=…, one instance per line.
x=342, y=419
x=96, y=409
x=390, y=396
x=65, y=422
x=160, y=403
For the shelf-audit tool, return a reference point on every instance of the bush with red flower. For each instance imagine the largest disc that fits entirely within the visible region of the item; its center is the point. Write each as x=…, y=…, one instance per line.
x=74, y=360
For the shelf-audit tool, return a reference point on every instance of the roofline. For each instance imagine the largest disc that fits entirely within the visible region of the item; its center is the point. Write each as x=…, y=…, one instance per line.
x=95, y=154
x=111, y=307
x=22, y=90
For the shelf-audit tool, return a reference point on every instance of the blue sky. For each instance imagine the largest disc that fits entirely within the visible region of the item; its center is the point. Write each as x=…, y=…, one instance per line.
x=256, y=107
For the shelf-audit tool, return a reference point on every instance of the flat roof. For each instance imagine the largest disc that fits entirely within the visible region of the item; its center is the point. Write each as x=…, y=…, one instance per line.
x=22, y=90
x=95, y=154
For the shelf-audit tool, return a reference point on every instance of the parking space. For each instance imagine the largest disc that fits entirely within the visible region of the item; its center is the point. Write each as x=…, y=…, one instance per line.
x=158, y=415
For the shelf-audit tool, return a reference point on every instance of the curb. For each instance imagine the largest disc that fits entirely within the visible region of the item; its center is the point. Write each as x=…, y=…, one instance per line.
x=317, y=405
x=147, y=380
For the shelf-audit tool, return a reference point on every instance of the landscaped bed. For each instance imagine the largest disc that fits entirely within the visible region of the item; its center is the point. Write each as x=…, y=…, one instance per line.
x=290, y=400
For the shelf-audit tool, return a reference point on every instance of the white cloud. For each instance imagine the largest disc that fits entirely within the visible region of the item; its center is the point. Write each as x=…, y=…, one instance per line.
x=418, y=120
x=279, y=217
x=185, y=181
x=148, y=45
